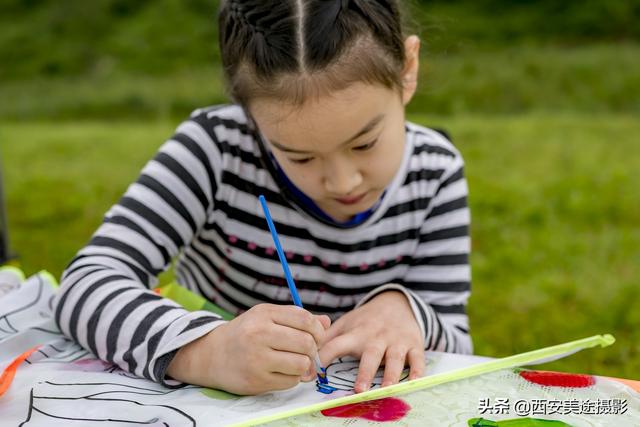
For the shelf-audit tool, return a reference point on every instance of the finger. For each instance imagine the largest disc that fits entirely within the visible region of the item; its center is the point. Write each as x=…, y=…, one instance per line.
x=394, y=360
x=278, y=381
x=415, y=357
x=325, y=321
x=335, y=329
x=283, y=338
x=343, y=345
x=298, y=318
x=311, y=373
x=369, y=364
x=292, y=364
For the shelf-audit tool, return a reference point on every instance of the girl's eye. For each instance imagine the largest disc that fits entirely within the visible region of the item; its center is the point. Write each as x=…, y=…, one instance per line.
x=366, y=147
x=301, y=161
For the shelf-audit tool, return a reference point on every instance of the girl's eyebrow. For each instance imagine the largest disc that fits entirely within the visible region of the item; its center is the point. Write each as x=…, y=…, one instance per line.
x=366, y=129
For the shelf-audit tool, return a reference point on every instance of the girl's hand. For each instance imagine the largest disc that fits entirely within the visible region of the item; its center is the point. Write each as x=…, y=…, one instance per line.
x=383, y=328
x=269, y=347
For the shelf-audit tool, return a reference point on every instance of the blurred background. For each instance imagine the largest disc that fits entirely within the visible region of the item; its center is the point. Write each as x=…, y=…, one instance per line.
x=541, y=96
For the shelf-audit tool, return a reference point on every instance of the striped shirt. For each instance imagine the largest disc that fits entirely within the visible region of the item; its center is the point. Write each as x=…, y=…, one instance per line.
x=197, y=202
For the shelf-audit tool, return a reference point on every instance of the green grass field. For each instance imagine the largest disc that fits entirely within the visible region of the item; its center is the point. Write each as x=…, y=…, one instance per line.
x=554, y=196
x=512, y=79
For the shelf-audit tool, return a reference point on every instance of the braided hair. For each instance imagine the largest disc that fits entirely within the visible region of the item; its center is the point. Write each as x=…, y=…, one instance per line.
x=293, y=49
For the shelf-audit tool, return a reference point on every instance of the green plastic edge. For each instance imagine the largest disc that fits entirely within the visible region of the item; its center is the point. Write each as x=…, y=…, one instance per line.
x=49, y=277
x=44, y=273
x=14, y=270
x=433, y=380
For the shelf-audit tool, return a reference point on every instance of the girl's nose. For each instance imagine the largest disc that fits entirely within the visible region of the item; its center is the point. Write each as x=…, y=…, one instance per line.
x=342, y=179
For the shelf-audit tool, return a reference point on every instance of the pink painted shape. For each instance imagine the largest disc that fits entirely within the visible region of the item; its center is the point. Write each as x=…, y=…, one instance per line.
x=325, y=264
x=364, y=267
x=289, y=254
x=252, y=246
x=381, y=263
x=270, y=251
x=233, y=239
x=343, y=266
x=558, y=379
x=381, y=410
x=307, y=258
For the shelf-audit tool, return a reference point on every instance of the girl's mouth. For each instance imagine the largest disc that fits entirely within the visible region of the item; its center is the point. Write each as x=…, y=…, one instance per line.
x=351, y=200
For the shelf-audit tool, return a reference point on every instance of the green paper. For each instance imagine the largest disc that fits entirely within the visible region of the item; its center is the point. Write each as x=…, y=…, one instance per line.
x=219, y=394
x=191, y=301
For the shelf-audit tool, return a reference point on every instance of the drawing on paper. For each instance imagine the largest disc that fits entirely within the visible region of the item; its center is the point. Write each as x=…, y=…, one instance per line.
x=342, y=373
x=61, y=382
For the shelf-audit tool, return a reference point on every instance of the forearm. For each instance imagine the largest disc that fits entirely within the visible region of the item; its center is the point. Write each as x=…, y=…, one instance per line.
x=112, y=315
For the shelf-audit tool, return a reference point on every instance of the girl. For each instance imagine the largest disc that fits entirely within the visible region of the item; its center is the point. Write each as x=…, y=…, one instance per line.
x=371, y=209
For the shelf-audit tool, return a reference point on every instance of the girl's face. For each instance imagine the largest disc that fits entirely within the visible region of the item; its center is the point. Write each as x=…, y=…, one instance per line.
x=342, y=149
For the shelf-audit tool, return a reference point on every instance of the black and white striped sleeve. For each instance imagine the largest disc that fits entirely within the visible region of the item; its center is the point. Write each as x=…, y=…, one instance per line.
x=105, y=302
x=440, y=276
x=438, y=282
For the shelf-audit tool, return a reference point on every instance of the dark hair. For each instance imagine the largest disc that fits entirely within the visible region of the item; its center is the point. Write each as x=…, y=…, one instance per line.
x=293, y=49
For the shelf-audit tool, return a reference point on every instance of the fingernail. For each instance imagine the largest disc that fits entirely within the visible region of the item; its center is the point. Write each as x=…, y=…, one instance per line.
x=362, y=386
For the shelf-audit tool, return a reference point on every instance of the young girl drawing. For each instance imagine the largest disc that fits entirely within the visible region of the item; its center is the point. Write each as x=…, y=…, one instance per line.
x=371, y=210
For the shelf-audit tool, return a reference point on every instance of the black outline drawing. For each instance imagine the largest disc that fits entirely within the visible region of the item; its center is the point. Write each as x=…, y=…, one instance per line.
x=108, y=410
x=62, y=350
x=6, y=327
x=343, y=372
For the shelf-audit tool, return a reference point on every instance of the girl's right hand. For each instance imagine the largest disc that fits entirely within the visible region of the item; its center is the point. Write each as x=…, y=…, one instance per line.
x=269, y=347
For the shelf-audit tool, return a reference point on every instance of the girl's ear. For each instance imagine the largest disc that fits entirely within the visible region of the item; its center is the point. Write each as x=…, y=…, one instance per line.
x=410, y=71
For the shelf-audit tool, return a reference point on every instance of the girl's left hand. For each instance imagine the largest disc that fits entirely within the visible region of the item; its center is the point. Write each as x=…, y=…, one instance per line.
x=383, y=328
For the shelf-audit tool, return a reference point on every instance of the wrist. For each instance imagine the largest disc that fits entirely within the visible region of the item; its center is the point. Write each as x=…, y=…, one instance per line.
x=195, y=362
x=393, y=296
x=390, y=293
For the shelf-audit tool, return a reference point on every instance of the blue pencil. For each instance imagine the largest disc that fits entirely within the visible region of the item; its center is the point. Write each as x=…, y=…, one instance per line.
x=322, y=373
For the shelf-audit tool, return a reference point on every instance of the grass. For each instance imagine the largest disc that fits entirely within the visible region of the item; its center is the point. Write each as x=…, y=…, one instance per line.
x=554, y=198
x=515, y=79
